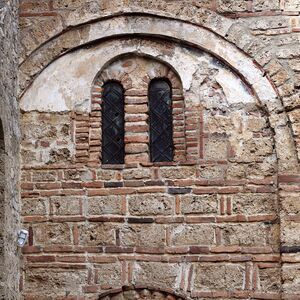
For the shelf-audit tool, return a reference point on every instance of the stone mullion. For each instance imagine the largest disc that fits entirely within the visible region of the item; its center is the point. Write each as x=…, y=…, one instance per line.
x=136, y=128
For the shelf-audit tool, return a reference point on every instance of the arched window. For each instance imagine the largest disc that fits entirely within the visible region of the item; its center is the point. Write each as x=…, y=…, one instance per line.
x=161, y=123
x=112, y=123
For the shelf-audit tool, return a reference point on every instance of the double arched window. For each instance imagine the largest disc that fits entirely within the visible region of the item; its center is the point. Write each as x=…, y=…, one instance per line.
x=160, y=122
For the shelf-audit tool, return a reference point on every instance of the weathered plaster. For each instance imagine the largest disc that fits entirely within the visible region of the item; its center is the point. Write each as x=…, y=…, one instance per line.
x=70, y=77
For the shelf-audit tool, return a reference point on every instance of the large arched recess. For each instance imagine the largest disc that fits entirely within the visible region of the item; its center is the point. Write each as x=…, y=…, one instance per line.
x=186, y=33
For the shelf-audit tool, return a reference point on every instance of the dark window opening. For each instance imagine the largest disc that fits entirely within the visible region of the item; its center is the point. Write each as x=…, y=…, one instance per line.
x=113, y=123
x=161, y=121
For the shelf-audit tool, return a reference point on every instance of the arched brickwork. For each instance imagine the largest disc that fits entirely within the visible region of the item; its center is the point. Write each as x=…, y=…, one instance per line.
x=201, y=38
x=122, y=235
x=193, y=13
x=128, y=70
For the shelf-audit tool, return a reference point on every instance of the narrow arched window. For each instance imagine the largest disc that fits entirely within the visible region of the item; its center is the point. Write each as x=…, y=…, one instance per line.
x=112, y=123
x=161, y=123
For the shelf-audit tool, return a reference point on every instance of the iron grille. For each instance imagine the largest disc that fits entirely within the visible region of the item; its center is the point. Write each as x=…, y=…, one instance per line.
x=161, y=125
x=113, y=123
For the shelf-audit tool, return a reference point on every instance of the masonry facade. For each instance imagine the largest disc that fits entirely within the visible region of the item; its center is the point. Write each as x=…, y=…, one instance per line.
x=9, y=152
x=218, y=221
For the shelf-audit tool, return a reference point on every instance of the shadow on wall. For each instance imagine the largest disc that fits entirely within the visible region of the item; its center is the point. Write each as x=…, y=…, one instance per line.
x=2, y=185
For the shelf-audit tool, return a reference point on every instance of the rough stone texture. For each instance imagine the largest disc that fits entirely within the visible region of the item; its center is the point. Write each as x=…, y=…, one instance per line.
x=9, y=152
x=220, y=276
x=165, y=275
x=220, y=221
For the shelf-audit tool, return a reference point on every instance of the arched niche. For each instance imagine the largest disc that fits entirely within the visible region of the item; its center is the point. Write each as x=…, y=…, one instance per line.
x=2, y=208
x=186, y=34
x=74, y=83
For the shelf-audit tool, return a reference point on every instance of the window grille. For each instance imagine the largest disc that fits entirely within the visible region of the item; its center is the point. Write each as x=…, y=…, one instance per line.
x=113, y=123
x=161, y=124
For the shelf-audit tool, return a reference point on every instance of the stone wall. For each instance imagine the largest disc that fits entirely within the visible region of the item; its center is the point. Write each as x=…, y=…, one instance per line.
x=9, y=151
x=221, y=220
x=2, y=174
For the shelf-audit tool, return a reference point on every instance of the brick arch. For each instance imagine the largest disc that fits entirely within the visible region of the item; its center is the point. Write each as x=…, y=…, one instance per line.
x=141, y=292
x=198, y=37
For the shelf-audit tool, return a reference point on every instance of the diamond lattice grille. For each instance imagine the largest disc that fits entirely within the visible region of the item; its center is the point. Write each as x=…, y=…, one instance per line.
x=161, y=127
x=113, y=123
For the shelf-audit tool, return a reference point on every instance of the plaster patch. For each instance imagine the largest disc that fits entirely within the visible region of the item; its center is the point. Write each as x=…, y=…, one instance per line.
x=69, y=79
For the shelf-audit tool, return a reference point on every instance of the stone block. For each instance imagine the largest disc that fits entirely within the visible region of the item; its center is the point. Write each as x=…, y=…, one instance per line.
x=157, y=274
x=136, y=147
x=256, y=124
x=151, y=204
x=42, y=176
x=269, y=23
x=134, y=174
x=143, y=235
x=34, y=5
x=252, y=150
x=211, y=172
x=260, y=5
x=78, y=175
x=290, y=233
x=70, y=205
x=51, y=234
x=177, y=172
x=245, y=234
x=291, y=278
x=253, y=170
x=108, y=275
x=232, y=6
x=33, y=206
x=96, y=234
x=137, y=158
x=216, y=149
x=269, y=280
x=104, y=205
x=292, y=5
x=192, y=235
x=70, y=4
x=290, y=203
x=55, y=282
x=219, y=276
x=251, y=204
x=199, y=204
x=103, y=174
x=218, y=124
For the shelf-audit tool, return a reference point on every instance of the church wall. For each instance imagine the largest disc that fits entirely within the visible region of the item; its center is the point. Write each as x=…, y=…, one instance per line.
x=222, y=220
x=9, y=152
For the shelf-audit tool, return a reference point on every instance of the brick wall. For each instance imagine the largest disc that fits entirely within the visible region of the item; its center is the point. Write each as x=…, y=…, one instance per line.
x=221, y=221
